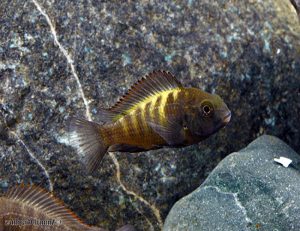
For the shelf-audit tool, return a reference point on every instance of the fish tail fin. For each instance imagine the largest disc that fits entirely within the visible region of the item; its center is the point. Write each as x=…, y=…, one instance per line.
x=86, y=137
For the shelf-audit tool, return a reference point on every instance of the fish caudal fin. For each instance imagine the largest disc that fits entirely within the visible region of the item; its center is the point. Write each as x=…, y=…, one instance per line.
x=86, y=137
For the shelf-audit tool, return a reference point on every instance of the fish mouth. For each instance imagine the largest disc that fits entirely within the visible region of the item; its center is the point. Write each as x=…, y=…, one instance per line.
x=227, y=118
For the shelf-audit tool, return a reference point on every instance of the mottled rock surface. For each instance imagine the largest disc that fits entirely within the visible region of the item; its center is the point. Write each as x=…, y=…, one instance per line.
x=246, y=51
x=246, y=191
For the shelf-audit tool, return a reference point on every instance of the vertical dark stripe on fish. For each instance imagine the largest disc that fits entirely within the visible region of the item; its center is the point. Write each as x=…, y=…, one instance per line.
x=182, y=96
x=170, y=99
x=129, y=119
x=157, y=117
x=147, y=114
x=137, y=121
x=169, y=106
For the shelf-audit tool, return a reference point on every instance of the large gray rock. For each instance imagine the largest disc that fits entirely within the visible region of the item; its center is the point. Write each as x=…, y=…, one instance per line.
x=246, y=51
x=246, y=191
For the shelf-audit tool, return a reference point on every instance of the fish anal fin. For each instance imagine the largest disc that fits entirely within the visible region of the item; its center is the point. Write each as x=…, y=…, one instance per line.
x=153, y=83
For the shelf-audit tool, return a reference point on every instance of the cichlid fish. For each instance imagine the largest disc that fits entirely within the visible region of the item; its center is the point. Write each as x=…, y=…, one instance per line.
x=33, y=208
x=156, y=112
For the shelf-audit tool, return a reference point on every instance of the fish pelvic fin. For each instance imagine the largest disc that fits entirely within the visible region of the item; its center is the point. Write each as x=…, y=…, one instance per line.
x=86, y=137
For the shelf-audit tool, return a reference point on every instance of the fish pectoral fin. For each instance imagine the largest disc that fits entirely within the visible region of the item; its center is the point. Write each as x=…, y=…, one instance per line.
x=172, y=132
x=125, y=148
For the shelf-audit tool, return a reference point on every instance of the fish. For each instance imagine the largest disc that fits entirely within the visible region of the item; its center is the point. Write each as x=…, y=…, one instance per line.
x=32, y=208
x=29, y=207
x=156, y=112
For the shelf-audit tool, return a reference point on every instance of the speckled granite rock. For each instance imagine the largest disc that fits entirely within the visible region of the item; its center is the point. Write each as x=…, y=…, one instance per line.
x=246, y=51
x=246, y=191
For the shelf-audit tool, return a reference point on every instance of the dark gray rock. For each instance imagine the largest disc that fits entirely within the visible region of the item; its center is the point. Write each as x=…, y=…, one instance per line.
x=246, y=191
x=296, y=4
x=246, y=51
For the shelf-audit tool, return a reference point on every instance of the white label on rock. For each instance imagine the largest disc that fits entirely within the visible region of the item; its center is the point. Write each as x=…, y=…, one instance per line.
x=284, y=161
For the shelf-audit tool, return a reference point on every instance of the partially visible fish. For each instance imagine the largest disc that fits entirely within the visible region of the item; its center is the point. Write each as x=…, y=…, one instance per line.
x=25, y=204
x=31, y=208
x=156, y=112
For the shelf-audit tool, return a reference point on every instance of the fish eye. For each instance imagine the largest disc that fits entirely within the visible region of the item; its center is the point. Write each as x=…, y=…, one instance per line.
x=207, y=109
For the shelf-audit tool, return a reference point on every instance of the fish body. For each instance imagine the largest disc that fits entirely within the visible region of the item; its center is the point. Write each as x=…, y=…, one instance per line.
x=135, y=128
x=156, y=112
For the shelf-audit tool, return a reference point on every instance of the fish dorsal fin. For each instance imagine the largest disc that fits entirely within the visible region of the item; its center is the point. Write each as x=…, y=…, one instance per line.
x=152, y=84
x=44, y=202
